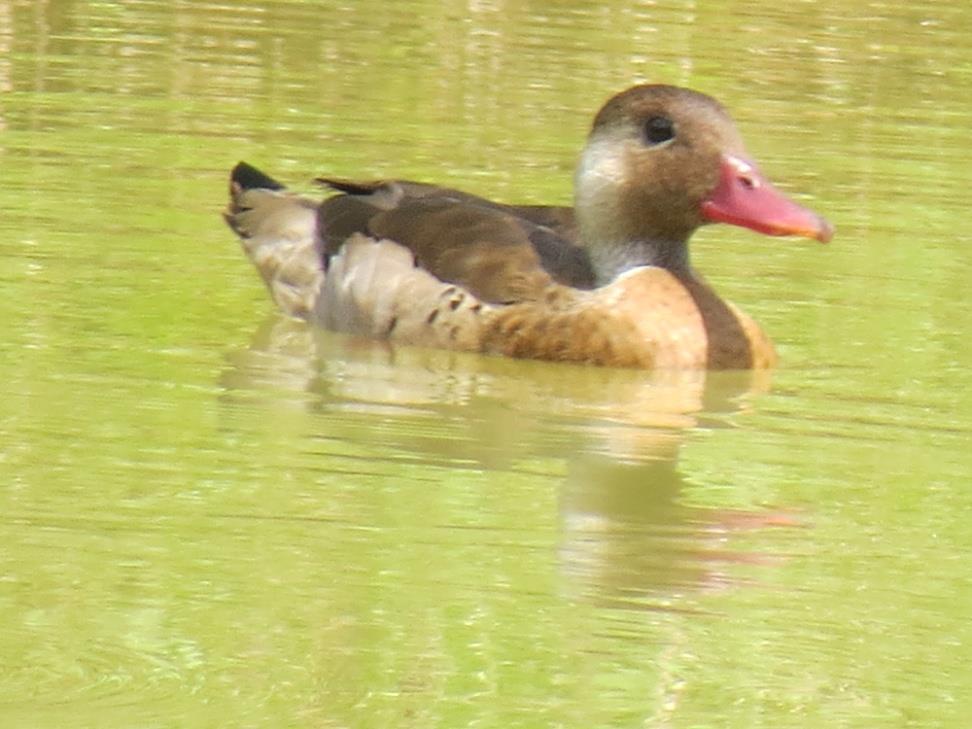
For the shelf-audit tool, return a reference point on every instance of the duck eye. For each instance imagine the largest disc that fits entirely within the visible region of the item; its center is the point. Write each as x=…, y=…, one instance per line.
x=659, y=129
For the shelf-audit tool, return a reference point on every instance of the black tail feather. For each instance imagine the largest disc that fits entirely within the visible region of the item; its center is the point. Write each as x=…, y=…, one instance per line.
x=249, y=177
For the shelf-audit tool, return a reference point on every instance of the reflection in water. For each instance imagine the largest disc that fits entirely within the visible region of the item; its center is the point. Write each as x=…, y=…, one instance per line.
x=627, y=537
x=628, y=540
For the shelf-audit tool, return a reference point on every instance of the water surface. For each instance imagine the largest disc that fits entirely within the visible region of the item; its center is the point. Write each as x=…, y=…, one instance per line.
x=215, y=517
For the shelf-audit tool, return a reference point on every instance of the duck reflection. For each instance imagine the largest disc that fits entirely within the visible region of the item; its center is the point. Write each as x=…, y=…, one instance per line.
x=627, y=536
x=628, y=539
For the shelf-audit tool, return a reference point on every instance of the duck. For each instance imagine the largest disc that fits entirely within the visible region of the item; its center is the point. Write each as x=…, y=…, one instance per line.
x=608, y=281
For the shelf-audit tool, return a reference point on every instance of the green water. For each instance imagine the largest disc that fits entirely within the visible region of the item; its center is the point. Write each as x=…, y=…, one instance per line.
x=210, y=516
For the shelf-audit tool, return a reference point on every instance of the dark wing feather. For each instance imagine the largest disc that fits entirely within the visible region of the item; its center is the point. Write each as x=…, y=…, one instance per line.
x=501, y=253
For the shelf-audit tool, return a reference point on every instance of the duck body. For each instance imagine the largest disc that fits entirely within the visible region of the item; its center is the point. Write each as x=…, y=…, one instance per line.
x=607, y=282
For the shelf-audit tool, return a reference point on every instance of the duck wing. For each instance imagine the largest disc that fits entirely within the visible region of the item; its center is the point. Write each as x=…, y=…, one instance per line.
x=500, y=253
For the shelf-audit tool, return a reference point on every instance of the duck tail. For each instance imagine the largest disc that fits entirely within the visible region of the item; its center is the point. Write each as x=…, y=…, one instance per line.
x=374, y=288
x=249, y=177
x=278, y=233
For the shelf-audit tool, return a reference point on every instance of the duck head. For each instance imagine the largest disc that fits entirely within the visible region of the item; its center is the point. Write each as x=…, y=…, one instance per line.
x=661, y=161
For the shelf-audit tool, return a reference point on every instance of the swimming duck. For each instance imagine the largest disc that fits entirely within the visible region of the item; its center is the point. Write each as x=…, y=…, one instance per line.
x=607, y=282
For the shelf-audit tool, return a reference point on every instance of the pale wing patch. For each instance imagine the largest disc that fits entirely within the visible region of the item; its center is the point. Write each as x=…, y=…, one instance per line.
x=373, y=288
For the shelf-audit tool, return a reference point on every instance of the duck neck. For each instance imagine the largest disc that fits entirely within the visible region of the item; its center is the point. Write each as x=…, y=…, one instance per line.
x=611, y=259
